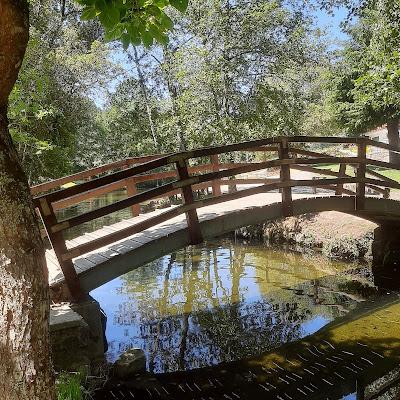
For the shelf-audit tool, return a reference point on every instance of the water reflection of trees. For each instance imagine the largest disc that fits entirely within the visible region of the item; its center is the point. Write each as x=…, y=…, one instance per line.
x=209, y=304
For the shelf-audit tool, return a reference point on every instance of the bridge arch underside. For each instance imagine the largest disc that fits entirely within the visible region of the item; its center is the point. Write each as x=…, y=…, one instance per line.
x=380, y=211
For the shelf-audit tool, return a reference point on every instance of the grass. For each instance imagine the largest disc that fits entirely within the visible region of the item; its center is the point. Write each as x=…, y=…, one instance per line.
x=389, y=173
x=68, y=387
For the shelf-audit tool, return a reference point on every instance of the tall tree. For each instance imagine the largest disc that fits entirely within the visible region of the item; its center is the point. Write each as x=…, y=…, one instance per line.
x=24, y=301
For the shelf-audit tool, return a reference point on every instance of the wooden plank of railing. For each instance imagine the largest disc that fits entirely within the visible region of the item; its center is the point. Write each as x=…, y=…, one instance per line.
x=58, y=243
x=105, y=180
x=192, y=218
x=381, y=145
x=121, y=234
x=323, y=139
x=56, y=183
x=111, y=208
x=285, y=177
x=361, y=170
x=216, y=187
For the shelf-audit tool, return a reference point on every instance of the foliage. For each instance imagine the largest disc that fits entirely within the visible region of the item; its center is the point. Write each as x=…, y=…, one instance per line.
x=68, y=387
x=365, y=84
x=232, y=71
x=133, y=21
x=65, y=66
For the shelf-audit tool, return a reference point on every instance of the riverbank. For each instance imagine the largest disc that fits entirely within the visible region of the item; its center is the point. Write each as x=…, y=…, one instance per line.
x=336, y=235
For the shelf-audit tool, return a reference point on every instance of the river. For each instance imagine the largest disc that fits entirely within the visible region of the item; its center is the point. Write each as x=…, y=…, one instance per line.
x=224, y=301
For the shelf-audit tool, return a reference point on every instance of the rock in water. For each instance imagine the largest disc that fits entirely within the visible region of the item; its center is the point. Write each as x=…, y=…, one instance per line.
x=129, y=364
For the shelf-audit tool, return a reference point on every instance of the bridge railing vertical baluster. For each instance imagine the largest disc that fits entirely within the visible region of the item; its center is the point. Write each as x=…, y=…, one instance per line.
x=342, y=173
x=216, y=185
x=361, y=171
x=188, y=199
x=131, y=190
x=57, y=241
x=287, y=206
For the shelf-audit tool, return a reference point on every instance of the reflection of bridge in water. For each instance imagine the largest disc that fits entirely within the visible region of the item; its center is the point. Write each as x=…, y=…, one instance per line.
x=89, y=260
x=225, y=301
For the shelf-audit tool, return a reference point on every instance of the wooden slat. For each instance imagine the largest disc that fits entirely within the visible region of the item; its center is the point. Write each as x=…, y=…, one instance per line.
x=216, y=187
x=118, y=205
x=381, y=145
x=342, y=172
x=58, y=243
x=44, y=187
x=105, y=180
x=131, y=190
x=122, y=234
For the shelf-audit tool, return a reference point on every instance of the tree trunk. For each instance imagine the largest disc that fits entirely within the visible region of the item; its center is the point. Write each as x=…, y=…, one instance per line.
x=25, y=366
x=146, y=99
x=393, y=138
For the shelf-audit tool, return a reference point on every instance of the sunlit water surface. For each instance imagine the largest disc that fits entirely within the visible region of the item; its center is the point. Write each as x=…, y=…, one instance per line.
x=223, y=301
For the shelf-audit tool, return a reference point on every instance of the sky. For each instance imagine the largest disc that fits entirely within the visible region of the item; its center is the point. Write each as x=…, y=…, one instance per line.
x=332, y=22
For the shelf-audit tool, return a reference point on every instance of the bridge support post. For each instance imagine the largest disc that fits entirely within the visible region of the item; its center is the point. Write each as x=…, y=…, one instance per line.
x=192, y=218
x=361, y=170
x=216, y=186
x=287, y=206
x=58, y=243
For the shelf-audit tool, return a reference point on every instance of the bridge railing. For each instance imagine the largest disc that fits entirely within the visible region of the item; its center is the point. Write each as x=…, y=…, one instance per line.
x=283, y=154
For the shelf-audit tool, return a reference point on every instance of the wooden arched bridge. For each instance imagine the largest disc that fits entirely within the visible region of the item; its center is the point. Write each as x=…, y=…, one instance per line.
x=263, y=186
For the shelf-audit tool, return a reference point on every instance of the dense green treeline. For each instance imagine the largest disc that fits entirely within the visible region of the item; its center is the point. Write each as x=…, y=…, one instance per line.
x=231, y=71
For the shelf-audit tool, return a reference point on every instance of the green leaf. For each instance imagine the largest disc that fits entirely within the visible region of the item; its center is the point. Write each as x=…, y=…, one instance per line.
x=126, y=40
x=153, y=10
x=166, y=21
x=134, y=34
x=147, y=38
x=88, y=13
x=180, y=5
x=158, y=35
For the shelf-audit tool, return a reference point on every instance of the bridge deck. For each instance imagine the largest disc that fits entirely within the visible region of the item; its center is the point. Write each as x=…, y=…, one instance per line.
x=109, y=262
x=110, y=254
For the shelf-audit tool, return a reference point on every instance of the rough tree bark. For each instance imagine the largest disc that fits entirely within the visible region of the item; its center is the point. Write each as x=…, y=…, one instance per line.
x=393, y=138
x=25, y=366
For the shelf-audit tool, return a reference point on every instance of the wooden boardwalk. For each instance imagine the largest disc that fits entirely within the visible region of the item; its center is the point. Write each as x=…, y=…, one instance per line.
x=92, y=259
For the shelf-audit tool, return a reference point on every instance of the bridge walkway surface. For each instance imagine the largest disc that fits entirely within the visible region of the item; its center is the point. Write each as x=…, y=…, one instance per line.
x=154, y=240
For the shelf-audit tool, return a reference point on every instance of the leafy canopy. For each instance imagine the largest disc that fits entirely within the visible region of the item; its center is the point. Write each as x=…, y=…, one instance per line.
x=366, y=83
x=133, y=21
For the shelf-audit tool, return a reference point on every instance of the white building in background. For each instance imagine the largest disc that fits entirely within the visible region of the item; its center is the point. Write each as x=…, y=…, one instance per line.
x=380, y=135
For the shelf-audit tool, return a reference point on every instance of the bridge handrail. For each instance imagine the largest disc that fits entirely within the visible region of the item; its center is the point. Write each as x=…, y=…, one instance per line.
x=187, y=179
